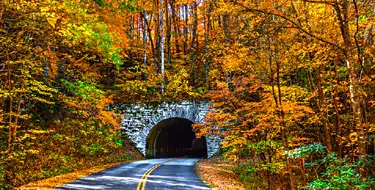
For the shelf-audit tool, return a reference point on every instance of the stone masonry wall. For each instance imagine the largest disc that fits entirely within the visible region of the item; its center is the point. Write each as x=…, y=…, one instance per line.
x=140, y=118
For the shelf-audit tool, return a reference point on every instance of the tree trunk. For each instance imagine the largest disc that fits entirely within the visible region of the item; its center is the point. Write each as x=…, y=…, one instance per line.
x=156, y=64
x=283, y=127
x=144, y=42
x=186, y=29
x=1, y=10
x=176, y=26
x=226, y=25
x=161, y=34
x=272, y=73
x=354, y=86
x=157, y=30
x=18, y=111
x=206, y=36
x=335, y=99
x=168, y=23
x=323, y=108
x=10, y=124
x=194, y=42
x=131, y=35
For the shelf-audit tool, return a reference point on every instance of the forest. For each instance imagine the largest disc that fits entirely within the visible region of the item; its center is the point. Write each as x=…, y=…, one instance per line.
x=291, y=83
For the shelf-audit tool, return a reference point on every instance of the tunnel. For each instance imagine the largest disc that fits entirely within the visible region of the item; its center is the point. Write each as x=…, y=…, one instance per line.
x=174, y=137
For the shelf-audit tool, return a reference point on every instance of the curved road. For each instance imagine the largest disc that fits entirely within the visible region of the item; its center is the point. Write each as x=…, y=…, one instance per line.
x=166, y=173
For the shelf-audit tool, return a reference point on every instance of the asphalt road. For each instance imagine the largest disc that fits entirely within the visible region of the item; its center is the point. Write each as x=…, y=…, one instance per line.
x=146, y=174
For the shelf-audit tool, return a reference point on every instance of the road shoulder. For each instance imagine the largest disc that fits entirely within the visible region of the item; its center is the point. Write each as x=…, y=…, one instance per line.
x=217, y=172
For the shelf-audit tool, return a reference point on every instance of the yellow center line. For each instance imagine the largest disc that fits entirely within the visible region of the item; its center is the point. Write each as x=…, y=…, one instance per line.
x=142, y=182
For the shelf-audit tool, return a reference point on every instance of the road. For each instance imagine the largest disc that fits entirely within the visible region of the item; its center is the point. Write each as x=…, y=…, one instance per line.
x=165, y=173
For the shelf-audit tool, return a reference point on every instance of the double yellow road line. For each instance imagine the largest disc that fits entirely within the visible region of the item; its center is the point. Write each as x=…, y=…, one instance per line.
x=142, y=182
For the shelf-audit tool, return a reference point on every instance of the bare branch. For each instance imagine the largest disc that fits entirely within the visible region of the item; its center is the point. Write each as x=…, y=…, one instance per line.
x=332, y=3
x=299, y=27
x=1, y=10
x=360, y=60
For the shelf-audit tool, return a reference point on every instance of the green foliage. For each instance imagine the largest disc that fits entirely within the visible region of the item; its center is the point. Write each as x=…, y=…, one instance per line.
x=119, y=142
x=340, y=173
x=304, y=151
x=262, y=147
x=86, y=90
x=252, y=174
x=92, y=32
x=333, y=172
x=130, y=5
x=248, y=174
x=93, y=148
x=100, y=2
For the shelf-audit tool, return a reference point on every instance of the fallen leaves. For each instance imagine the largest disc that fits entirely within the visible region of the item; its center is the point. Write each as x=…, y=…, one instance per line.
x=218, y=173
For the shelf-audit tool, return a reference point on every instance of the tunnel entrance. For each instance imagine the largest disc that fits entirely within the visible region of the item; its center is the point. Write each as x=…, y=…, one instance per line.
x=174, y=137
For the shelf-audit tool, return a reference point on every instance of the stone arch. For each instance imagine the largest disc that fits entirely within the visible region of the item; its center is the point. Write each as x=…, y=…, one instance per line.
x=140, y=118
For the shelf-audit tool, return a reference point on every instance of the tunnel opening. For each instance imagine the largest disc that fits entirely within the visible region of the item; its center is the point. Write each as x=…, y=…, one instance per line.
x=175, y=137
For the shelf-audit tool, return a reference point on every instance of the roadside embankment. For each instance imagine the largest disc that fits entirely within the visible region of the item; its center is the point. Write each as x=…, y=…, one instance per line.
x=218, y=173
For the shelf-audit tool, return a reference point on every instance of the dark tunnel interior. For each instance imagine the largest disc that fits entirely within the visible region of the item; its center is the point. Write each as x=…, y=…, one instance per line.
x=174, y=137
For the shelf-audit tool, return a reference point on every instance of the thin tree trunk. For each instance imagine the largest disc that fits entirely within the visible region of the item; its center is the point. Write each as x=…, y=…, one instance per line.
x=144, y=42
x=131, y=35
x=335, y=99
x=10, y=125
x=156, y=64
x=323, y=109
x=18, y=111
x=138, y=29
x=194, y=41
x=168, y=23
x=272, y=80
x=176, y=26
x=2, y=107
x=228, y=79
x=157, y=30
x=1, y=10
x=283, y=128
x=162, y=46
x=206, y=36
x=226, y=26
x=186, y=29
x=354, y=86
